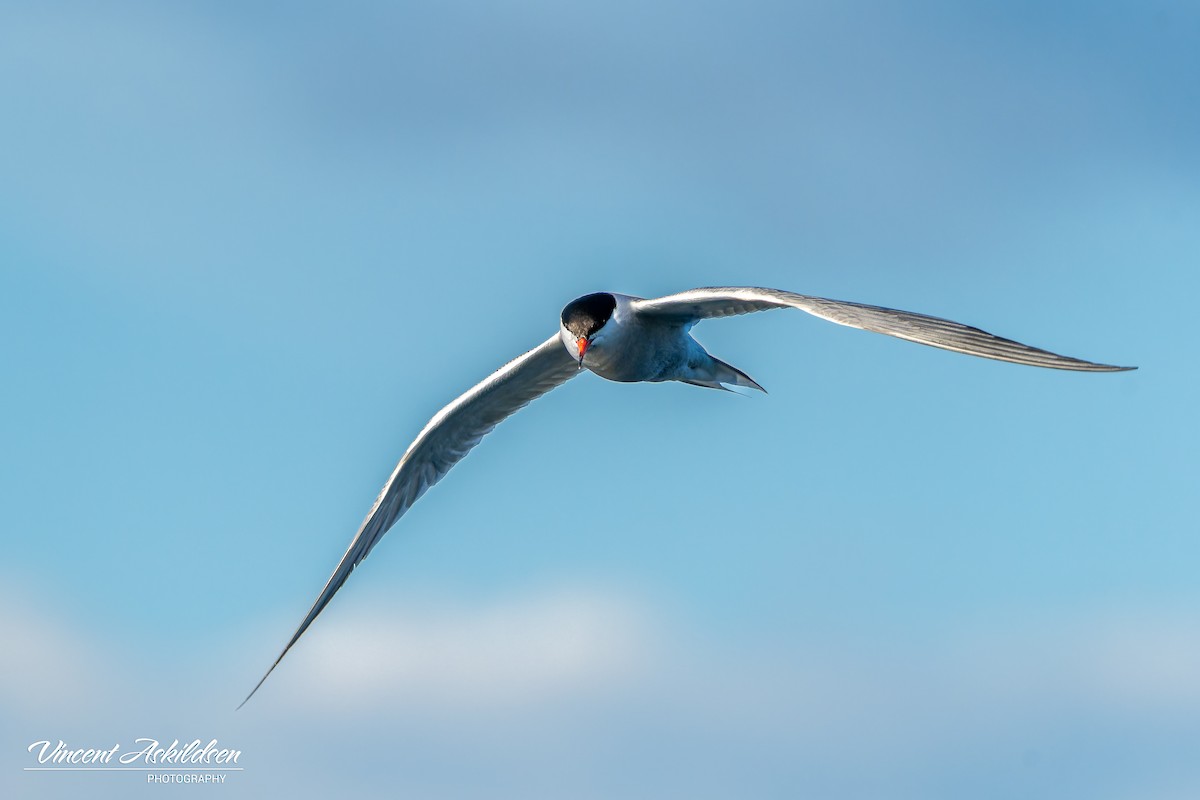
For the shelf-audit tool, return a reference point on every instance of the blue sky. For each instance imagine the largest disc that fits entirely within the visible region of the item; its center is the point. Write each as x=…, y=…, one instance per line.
x=231, y=242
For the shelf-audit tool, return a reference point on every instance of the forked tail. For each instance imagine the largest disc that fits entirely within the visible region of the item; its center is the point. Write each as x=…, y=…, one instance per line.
x=716, y=374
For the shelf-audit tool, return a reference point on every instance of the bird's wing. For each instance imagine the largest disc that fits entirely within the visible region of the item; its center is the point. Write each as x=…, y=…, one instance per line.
x=448, y=437
x=692, y=306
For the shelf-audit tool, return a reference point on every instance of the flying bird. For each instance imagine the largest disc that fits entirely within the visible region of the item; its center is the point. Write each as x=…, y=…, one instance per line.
x=630, y=339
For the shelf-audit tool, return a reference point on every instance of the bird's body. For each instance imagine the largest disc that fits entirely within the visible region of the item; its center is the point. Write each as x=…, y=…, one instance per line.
x=625, y=349
x=630, y=339
x=635, y=347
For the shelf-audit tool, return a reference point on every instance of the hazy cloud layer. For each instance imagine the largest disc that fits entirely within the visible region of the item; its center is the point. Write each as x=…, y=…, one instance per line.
x=518, y=679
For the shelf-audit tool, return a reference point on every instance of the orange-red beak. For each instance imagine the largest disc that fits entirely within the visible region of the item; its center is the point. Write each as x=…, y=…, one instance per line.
x=582, y=343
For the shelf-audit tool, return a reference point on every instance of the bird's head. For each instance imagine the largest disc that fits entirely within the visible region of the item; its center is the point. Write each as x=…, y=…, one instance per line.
x=583, y=319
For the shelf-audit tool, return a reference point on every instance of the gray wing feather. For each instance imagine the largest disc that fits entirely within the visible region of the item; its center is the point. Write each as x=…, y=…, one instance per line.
x=697, y=304
x=443, y=442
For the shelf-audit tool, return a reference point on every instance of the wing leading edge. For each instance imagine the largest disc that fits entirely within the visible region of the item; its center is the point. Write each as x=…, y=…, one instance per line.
x=443, y=442
x=697, y=304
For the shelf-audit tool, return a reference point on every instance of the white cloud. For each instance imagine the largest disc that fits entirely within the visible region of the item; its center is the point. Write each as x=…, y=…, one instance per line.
x=596, y=677
x=1143, y=663
x=514, y=652
x=46, y=664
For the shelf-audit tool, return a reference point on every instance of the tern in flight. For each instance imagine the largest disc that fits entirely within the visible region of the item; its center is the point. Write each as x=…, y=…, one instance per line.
x=630, y=339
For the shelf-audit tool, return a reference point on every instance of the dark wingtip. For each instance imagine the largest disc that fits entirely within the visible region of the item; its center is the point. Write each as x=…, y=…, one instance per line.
x=261, y=681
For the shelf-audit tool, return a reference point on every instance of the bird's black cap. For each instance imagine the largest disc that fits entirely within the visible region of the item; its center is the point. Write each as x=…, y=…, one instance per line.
x=586, y=315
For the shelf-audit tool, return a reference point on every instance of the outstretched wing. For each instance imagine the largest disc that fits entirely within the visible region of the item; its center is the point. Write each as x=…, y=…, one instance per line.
x=448, y=437
x=692, y=306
